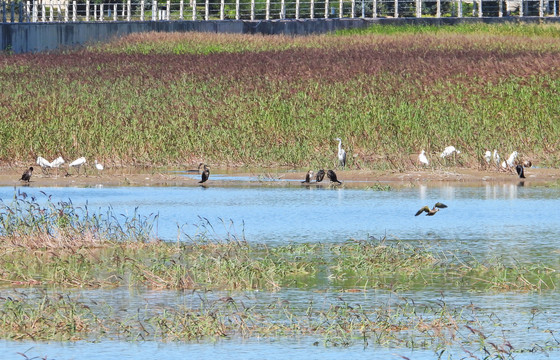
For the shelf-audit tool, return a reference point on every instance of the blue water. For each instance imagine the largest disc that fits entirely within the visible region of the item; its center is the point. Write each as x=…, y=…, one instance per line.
x=519, y=223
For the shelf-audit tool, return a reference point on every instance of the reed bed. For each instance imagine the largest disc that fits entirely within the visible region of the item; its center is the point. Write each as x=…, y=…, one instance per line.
x=47, y=243
x=232, y=100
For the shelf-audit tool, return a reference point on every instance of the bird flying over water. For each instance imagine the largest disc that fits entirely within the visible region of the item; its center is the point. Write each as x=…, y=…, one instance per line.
x=432, y=211
x=27, y=174
x=308, y=177
x=341, y=154
x=320, y=175
x=332, y=176
x=205, y=173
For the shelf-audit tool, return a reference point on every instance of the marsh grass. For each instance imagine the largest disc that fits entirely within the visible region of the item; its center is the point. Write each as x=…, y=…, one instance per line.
x=231, y=100
x=47, y=243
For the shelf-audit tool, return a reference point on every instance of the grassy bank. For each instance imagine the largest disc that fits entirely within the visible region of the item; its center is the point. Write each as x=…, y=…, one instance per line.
x=230, y=100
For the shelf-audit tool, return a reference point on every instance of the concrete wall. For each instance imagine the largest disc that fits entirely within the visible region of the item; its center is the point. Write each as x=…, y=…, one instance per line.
x=36, y=37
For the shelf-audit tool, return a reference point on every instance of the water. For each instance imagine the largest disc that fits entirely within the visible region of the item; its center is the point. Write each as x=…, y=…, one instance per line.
x=496, y=220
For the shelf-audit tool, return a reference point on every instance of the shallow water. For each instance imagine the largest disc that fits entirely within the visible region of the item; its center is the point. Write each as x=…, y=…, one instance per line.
x=493, y=220
x=519, y=223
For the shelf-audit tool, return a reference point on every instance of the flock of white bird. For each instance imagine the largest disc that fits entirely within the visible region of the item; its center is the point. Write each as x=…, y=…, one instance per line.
x=59, y=161
x=490, y=157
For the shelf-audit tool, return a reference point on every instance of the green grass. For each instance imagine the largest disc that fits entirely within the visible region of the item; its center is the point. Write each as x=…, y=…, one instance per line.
x=236, y=100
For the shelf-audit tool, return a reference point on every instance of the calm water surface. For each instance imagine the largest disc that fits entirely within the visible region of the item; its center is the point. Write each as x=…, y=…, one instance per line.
x=494, y=220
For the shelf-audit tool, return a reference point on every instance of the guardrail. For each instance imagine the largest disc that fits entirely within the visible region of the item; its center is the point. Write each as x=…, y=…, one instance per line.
x=90, y=11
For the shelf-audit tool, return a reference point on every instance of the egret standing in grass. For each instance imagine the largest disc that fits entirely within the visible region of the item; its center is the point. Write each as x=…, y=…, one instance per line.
x=99, y=167
x=205, y=173
x=44, y=164
x=422, y=158
x=341, y=154
x=27, y=175
x=449, y=151
x=511, y=159
x=56, y=163
x=78, y=163
x=332, y=177
x=488, y=156
x=496, y=157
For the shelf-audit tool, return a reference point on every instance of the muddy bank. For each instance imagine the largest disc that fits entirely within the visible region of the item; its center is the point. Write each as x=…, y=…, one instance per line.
x=271, y=177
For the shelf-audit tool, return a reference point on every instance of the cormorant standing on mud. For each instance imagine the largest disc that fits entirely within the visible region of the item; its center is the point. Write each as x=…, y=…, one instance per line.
x=332, y=176
x=205, y=173
x=27, y=174
x=320, y=175
x=308, y=177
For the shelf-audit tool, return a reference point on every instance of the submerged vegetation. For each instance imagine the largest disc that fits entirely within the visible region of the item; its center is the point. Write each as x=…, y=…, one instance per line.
x=230, y=100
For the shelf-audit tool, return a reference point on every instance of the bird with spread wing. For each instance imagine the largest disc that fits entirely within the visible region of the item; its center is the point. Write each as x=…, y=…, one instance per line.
x=432, y=211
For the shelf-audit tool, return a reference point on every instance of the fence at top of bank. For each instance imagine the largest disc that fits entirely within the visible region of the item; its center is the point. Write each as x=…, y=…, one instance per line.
x=85, y=10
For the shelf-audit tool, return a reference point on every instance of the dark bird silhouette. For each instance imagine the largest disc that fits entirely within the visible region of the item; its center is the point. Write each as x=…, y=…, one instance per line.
x=432, y=211
x=332, y=176
x=205, y=173
x=520, y=171
x=320, y=175
x=308, y=177
x=27, y=174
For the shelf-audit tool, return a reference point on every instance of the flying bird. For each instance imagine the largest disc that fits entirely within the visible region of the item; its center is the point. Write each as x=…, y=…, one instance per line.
x=432, y=211
x=332, y=176
x=520, y=171
x=341, y=154
x=308, y=177
x=320, y=175
x=205, y=173
x=422, y=158
x=27, y=174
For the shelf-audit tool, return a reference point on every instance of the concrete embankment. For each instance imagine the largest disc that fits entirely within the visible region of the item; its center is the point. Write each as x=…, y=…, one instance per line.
x=37, y=37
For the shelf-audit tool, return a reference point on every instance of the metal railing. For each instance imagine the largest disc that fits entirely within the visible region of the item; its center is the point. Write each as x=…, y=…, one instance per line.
x=126, y=10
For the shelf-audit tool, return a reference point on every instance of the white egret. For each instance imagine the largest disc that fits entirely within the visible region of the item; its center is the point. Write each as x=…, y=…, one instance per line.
x=43, y=163
x=341, y=154
x=448, y=151
x=98, y=166
x=496, y=157
x=422, y=158
x=488, y=156
x=432, y=211
x=78, y=163
x=511, y=159
x=27, y=174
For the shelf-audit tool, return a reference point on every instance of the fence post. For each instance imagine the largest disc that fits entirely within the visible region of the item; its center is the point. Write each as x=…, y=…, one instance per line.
x=154, y=10
x=460, y=8
x=206, y=9
x=438, y=8
x=128, y=10
x=194, y=10
x=340, y=9
x=181, y=10
x=101, y=15
x=396, y=9
x=282, y=9
x=35, y=12
x=222, y=8
x=353, y=9
x=123, y=12
x=27, y=10
x=236, y=9
x=168, y=11
x=418, y=8
x=252, y=9
x=541, y=8
x=500, y=8
x=142, y=4
x=87, y=10
x=312, y=9
x=479, y=8
x=74, y=11
x=374, y=9
x=326, y=9
x=267, y=10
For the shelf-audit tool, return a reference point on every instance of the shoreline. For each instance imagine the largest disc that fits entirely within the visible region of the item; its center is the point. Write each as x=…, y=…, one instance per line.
x=275, y=177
